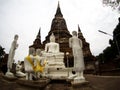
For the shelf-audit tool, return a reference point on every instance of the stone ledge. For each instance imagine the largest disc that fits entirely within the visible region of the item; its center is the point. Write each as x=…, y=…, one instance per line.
x=11, y=79
x=83, y=83
x=34, y=84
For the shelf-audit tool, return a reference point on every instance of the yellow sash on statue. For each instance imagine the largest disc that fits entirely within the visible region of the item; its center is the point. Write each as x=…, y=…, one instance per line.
x=38, y=67
x=30, y=61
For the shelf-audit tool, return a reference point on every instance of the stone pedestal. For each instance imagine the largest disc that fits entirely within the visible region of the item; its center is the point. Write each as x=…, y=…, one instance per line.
x=33, y=85
x=55, y=68
x=80, y=82
x=81, y=85
x=9, y=79
x=57, y=73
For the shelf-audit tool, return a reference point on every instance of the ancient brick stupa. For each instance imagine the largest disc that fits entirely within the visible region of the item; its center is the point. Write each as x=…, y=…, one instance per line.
x=62, y=34
x=60, y=30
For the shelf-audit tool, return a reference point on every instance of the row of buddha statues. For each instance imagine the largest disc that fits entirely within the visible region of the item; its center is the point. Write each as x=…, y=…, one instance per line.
x=49, y=63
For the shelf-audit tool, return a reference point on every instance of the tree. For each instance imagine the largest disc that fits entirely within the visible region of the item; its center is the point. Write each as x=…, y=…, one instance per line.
x=111, y=52
x=2, y=52
x=116, y=36
x=114, y=4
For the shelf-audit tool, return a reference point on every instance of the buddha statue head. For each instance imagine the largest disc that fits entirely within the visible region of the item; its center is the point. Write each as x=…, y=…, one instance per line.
x=74, y=33
x=31, y=51
x=38, y=52
x=52, y=38
x=16, y=37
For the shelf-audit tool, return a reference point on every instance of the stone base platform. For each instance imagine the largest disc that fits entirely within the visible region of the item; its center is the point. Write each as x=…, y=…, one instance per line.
x=82, y=85
x=10, y=79
x=69, y=80
x=57, y=73
x=36, y=85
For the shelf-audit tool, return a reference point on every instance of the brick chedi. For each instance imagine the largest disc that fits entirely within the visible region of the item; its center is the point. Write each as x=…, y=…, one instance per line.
x=62, y=35
x=37, y=43
x=60, y=30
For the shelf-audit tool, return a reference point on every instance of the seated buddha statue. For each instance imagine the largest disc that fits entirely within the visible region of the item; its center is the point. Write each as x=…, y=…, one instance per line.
x=52, y=48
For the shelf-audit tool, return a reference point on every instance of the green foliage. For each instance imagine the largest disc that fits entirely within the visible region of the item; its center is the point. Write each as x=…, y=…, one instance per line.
x=116, y=36
x=2, y=52
x=118, y=1
x=109, y=54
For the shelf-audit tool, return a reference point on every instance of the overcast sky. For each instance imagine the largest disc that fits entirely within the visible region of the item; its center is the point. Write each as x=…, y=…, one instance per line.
x=25, y=17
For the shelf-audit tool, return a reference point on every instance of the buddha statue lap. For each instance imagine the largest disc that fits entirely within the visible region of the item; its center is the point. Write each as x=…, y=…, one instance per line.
x=52, y=51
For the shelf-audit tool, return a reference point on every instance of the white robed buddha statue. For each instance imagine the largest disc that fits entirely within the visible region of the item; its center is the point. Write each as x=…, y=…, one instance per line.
x=19, y=73
x=52, y=48
x=39, y=63
x=54, y=59
x=10, y=62
x=76, y=44
x=29, y=64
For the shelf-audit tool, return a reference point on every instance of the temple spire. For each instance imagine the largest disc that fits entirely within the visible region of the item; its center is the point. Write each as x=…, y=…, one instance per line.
x=80, y=33
x=38, y=37
x=39, y=34
x=79, y=29
x=58, y=11
x=58, y=4
x=37, y=42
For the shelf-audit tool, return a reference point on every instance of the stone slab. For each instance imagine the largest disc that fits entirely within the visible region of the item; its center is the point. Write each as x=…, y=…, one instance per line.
x=33, y=84
x=62, y=77
x=82, y=83
x=9, y=78
x=69, y=80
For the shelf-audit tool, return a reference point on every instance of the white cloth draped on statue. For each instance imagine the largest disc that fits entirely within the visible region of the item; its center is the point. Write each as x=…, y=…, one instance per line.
x=28, y=65
x=11, y=54
x=78, y=60
x=76, y=44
